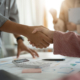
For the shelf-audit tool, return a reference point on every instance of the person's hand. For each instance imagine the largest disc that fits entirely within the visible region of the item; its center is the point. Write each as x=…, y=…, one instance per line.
x=21, y=47
x=71, y=27
x=78, y=29
x=59, y=26
x=44, y=30
x=53, y=13
x=39, y=39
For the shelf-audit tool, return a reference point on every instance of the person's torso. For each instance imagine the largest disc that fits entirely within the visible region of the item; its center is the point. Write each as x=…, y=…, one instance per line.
x=5, y=6
x=67, y=4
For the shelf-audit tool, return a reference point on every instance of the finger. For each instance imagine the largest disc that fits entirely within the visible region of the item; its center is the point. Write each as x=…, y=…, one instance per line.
x=47, y=40
x=34, y=31
x=18, y=53
x=30, y=42
x=44, y=44
x=40, y=46
x=35, y=53
x=35, y=45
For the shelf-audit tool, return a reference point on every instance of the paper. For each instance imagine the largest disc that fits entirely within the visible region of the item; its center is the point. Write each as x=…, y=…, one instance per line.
x=57, y=68
x=74, y=15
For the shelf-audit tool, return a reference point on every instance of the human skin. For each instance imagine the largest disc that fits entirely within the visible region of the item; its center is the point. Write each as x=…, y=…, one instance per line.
x=44, y=30
x=22, y=47
x=71, y=26
x=39, y=39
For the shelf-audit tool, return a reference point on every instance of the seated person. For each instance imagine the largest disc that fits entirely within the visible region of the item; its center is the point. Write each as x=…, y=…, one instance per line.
x=67, y=44
x=62, y=23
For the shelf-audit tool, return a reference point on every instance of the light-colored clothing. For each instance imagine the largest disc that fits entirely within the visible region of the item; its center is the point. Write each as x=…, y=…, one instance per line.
x=8, y=11
x=67, y=44
x=63, y=17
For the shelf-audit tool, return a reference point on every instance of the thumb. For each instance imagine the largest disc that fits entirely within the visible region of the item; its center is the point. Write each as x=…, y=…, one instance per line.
x=37, y=30
x=18, y=53
x=34, y=31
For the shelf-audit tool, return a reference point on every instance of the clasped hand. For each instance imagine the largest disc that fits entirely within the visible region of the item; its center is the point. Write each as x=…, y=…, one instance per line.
x=39, y=39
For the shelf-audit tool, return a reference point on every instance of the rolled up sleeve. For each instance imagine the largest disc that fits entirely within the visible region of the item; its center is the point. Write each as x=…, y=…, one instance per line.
x=2, y=20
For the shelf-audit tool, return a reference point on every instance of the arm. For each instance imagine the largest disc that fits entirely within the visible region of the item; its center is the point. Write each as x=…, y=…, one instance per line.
x=14, y=15
x=12, y=27
x=22, y=47
x=40, y=40
x=59, y=23
x=62, y=17
x=67, y=44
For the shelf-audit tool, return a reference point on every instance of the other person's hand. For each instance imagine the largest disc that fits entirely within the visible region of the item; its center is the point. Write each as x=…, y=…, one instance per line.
x=39, y=39
x=59, y=26
x=71, y=26
x=78, y=29
x=21, y=47
x=53, y=13
x=44, y=30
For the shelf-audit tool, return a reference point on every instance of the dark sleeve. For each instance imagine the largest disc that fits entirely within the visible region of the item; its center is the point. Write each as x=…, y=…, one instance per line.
x=14, y=15
x=2, y=20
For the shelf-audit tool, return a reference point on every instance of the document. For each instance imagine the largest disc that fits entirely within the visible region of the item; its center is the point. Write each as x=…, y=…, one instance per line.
x=74, y=15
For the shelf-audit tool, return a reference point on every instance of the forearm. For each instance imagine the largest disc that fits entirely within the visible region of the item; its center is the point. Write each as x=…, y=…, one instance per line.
x=12, y=27
x=59, y=25
x=16, y=35
x=50, y=34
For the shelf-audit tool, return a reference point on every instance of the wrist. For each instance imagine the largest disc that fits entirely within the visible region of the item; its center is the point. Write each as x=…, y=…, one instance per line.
x=55, y=21
x=24, y=30
x=51, y=34
x=19, y=41
x=19, y=38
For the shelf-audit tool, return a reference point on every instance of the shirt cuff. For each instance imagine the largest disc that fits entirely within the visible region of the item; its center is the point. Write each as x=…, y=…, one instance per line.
x=2, y=20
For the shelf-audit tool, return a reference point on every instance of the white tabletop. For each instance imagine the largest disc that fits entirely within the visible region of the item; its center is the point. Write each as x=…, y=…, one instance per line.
x=57, y=69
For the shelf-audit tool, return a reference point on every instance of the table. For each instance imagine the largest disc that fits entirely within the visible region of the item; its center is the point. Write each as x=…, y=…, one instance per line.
x=57, y=69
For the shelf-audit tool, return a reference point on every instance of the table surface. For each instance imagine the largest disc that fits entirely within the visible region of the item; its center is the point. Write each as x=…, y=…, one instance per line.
x=56, y=70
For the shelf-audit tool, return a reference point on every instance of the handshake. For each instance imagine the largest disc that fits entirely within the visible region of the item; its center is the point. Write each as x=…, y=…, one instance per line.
x=40, y=36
